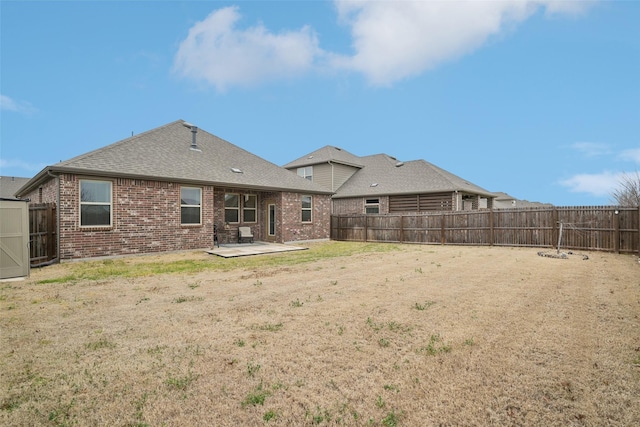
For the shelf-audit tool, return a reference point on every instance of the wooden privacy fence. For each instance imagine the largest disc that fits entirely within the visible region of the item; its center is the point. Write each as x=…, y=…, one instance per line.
x=598, y=228
x=42, y=233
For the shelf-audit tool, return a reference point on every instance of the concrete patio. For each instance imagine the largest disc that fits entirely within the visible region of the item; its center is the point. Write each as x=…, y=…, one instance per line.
x=232, y=250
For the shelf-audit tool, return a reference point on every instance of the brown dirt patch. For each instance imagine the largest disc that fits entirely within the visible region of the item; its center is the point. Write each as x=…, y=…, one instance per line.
x=422, y=335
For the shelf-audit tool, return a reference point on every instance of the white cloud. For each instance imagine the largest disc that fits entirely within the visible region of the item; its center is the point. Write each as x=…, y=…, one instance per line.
x=592, y=149
x=632, y=155
x=394, y=40
x=216, y=51
x=9, y=104
x=601, y=184
x=391, y=40
x=566, y=7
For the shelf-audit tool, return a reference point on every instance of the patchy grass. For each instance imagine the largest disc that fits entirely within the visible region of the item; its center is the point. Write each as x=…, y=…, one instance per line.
x=341, y=334
x=182, y=299
x=98, y=345
x=133, y=267
x=256, y=397
x=181, y=382
x=424, y=306
x=435, y=345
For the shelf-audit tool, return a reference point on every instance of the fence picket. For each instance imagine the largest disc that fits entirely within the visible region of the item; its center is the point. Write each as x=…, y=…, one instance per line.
x=597, y=228
x=42, y=233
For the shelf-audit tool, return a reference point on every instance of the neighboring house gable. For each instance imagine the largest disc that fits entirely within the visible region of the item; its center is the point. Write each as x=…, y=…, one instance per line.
x=329, y=167
x=167, y=188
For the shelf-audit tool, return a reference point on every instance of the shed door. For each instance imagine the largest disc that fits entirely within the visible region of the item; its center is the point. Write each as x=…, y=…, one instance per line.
x=14, y=239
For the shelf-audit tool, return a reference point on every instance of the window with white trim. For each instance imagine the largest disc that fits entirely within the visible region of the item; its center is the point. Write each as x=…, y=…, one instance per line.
x=190, y=205
x=95, y=203
x=307, y=208
x=306, y=172
x=372, y=206
x=232, y=208
x=249, y=208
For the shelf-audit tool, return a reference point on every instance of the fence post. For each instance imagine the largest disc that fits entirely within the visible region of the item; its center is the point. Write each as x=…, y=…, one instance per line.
x=554, y=225
x=442, y=237
x=332, y=223
x=491, y=227
x=365, y=227
x=616, y=231
x=50, y=233
x=638, y=229
x=401, y=228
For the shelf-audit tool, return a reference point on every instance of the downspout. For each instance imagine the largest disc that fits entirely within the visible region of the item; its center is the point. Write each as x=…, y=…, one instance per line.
x=333, y=190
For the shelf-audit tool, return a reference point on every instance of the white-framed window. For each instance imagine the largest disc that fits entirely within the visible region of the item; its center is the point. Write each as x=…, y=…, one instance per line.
x=372, y=206
x=250, y=208
x=95, y=203
x=232, y=208
x=190, y=205
x=306, y=172
x=307, y=208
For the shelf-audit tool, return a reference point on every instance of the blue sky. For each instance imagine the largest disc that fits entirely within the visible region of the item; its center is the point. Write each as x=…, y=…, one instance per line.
x=539, y=99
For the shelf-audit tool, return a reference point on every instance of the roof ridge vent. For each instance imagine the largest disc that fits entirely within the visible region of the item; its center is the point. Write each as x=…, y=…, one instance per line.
x=398, y=164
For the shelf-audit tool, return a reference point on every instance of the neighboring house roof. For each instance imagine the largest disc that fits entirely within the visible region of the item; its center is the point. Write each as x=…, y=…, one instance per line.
x=384, y=175
x=504, y=200
x=9, y=186
x=326, y=154
x=165, y=154
x=503, y=197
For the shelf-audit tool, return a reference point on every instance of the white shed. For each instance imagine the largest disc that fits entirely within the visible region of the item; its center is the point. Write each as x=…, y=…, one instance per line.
x=14, y=238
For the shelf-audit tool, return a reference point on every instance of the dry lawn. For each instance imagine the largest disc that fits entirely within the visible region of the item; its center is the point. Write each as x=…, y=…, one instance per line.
x=387, y=336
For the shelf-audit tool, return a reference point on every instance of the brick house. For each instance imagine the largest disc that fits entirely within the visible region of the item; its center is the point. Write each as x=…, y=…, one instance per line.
x=380, y=184
x=165, y=189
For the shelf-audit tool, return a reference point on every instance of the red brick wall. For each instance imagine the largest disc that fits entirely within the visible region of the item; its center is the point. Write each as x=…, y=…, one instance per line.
x=289, y=225
x=47, y=193
x=293, y=229
x=146, y=218
x=230, y=234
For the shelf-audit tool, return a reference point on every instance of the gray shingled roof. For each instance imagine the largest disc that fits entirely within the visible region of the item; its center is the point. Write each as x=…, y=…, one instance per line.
x=411, y=177
x=9, y=185
x=326, y=154
x=164, y=154
x=503, y=199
